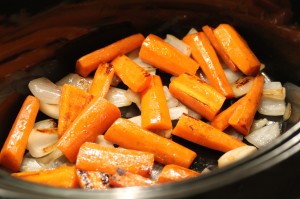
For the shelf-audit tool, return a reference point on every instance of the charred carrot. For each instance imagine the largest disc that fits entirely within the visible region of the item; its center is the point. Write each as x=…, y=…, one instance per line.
x=123, y=178
x=15, y=144
x=205, y=55
x=201, y=133
x=157, y=52
x=95, y=157
x=102, y=80
x=93, y=180
x=213, y=40
x=88, y=63
x=197, y=95
x=64, y=177
x=243, y=116
x=133, y=75
x=72, y=102
x=174, y=172
x=129, y=135
x=237, y=49
x=154, y=109
x=92, y=121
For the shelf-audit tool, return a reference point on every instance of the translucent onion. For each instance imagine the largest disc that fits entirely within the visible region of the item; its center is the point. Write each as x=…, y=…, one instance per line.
x=242, y=86
x=51, y=110
x=192, y=31
x=178, y=44
x=234, y=133
x=45, y=124
x=76, y=80
x=102, y=141
x=274, y=90
x=45, y=90
x=134, y=56
x=264, y=135
x=271, y=107
x=257, y=124
x=118, y=97
x=134, y=97
x=232, y=76
x=171, y=101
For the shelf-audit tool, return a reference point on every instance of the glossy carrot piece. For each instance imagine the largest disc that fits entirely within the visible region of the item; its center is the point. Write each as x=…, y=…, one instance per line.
x=154, y=109
x=129, y=135
x=201, y=133
x=12, y=152
x=92, y=121
x=64, y=177
x=155, y=51
x=242, y=117
x=204, y=53
x=213, y=40
x=173, y=172
x=95, y=157
x=197, y=95
x=88, y=63
x=133, y=75
x=123, y=178
x=237, y=49
x=72, y=102
x=102, y=80
x=93, y=180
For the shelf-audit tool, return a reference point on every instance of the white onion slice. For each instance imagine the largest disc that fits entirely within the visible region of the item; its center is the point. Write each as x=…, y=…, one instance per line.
x=52, y=110
x=257, y=124
x=235, y=155
x=264, y=135
x=45, y=124
x=51, y=157
x=171, y=101
x=102, y=141
x=76, y=80
x=45, y=90
x=192, y=31
x=271, y=107
x=134, y=56
x=232, y=76
x=288, y=112
x=117, y=97
x=234, y=133
x=242, y=86
x=274, y=90
x=137, y=120
x=178, y=44
x=134, y=97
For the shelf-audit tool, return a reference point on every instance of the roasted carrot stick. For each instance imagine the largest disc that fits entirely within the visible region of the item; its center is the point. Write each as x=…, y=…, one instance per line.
x=174, y=172
x=15, y=144
x=205, y=55
x=133, y=75
x=204, y=134
x=95, y=157
x=123, y=178
x=93, y=180
x=243, y=116
x=213, y=40
x=92, y=121
x=197, y=95
x=237, y=49
x=162, y=55
x=88, y=63
x=102, y=80
x=129, y=135
x=64, y=177
x=72, y=102
x=154, y=109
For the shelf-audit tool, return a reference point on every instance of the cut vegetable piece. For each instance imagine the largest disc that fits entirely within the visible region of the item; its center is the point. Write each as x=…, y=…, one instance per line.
x=88, y=63
x=118, y=97
x=201, y=133
x=271, y=107
x=274, y=90
x=158, y=53
x=154, y=109
x=76, y=80
x=15, y=144
x=134, y=76
x=73, y=100
x=129, y=135
x=205, y=55
x=93, y=180
x=102, y=80
x=197, y=95
x=93, y=120
x=172, y=172
x=178, y=44
x=94, y=157
x=134, y=56
x=237, y=49
x=51, y=110
x=242, y=86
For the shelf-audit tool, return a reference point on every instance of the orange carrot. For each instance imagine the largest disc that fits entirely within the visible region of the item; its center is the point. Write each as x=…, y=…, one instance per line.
x=133, y=75
x=92, y=121
x=72, y=102
x=243, y=116
x=129, y=135
x=102, y=80
x=201, y=133
x=154, y=109
x=197, y=95
x=88, y=63
x=16, y=142
x=212, y=38
x=164, y=56
x=123, y=178
x=95, y=157
x=205, y=55
x=174, y=172
x=237, y=49
x=64, y=177
x=93, y=180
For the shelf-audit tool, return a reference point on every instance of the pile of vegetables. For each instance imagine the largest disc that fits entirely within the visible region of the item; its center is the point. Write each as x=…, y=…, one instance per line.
x=216, y=87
